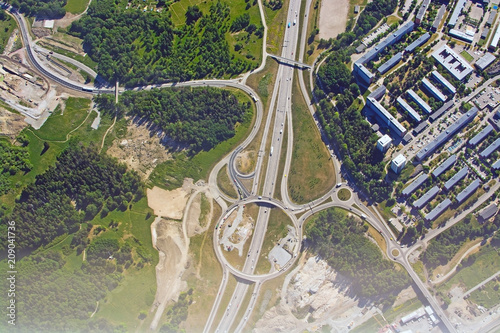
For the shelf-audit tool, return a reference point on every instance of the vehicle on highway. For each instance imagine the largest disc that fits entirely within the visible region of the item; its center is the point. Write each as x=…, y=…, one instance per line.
x=289, y=24
x=339, y=184
x=272, y=149
x=294, y=22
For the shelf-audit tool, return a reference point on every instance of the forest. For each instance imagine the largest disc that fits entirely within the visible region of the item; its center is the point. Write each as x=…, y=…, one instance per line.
x=13, y=159
x=200, y=118
x=372, y=14
x=138, y=48
x=446, y=245
x=80, y=185
x=340, y=240
x=42, y=8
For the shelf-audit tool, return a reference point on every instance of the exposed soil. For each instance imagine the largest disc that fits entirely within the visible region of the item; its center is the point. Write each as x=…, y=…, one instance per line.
x=332, y=18
x=169, y=204
x=11, y=124
x=245, y=161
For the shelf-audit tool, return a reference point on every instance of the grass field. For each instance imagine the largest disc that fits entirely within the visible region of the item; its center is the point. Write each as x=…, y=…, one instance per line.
x=276, y=23
x=225, y=184
x=344, y=194
x=467, y=56
x=375, y=234
x=6, y=28
x=418, y=267
x=276, y=229
x=76, y=6
x=281, y=168
x=487, y=296
x=311, y=172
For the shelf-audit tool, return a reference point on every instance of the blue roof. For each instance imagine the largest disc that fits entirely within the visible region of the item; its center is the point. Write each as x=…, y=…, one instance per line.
x=444, y=166
x=419, y=101
x=438, y=210
x=424, y=199
x=434, y=90
x=411, y=111
x=444, y=82
x=390, y=63
x=446, y=135
x=481, y=135
x=419, y=41
x=414, y=185
x=456, y=178
x=468, y=190
x=490, y=149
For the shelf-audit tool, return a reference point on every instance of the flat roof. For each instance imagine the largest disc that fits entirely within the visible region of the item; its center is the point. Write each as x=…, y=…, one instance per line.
x=485, y=61
x=365, y=71
x=417, y=42
x=434, y=90
x=386, y=116
x=455, y=64
x=491, y=17
x=461, y=35
x=439, y=17
x=399, y=160
x=496, y=37
x=488, y=212
x=456, y=178
x=390, y=63
x=444, y=82
x=419, y=101
x=496, y=165
x=438, y=210
x=411, y=111
x=485, y=33
x=446, y=106
x=424, y=199
x=444, y=166
x=468, y=190
x=481, y=135
x=420, y=127
x=414, y=185
x=456, y=12
x=446, y=135
x=378, y=93
x=422, y=10
x=384, y=140
x=490, y=149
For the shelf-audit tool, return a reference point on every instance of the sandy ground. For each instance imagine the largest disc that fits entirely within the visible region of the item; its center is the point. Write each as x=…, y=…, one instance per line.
x=11, y=124
x=245, y=161
x=140, y=150
x=332, y=18
x=169, y=204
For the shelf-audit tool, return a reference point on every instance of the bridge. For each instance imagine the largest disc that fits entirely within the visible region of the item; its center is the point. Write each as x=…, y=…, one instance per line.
x=290, y=61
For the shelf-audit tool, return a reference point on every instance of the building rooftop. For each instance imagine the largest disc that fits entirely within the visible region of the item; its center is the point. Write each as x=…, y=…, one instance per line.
x=434, y=90
x=390, y=63
x=485, y=33
x=491, y=17
x=386, y=116
x=456, y=178
x=444, y=166
x=454, y=63
x=422, y=10
x=496, y=165
x=425, y=198
x=419, y=41
x=485, y=61
x=422, y=126
x=414, y=185
x=399, y=160
x=488, y=212
x=466, y=192
x=438, y=210
x=365, y=71
x=446, y=135
x=456, y=12
x=411, y=111
x=446, y=106
x=436, y=75
x=496, y=37
x=481, y=135
x=378, y=93
x=419, y=101
x=385, y=140
x=439, y=17
x=490, y=149
x=461, y=35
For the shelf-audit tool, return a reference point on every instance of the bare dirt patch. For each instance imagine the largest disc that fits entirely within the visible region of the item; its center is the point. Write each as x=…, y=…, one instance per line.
x=332, y=18
x=169, y=204
x=11, y=124
x=141, y=150
x=245, y=161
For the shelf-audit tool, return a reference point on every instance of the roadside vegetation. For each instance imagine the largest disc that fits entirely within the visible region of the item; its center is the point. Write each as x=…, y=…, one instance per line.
x=225, y=184
x=76, y=6
x=50, y=8
x=7, y=26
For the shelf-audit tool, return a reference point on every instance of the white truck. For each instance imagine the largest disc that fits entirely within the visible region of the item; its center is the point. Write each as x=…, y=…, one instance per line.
x=272, y=149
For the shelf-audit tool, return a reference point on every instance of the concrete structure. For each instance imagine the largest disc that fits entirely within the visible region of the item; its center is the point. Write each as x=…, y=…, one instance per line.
x=390, y=63
x=491, y=17
x=490, y=149
x=421, y=12
x=422, y=126
x=450, y=161
x=414, y=185
x=398, y=163
x=466, y=192
x=439, y=78
x=384, y=143
x=496, y=165
x=356, y=9
x=485, y=33
x=419, y=101
x=438, y=210
x=434, y=90
x=424, y=199
x=387, y=119
x=456, y=12
x=360, y=48
x=378, y=93
x=412, y=316
x=480, y=136
x=411, y=111
x=461, y=35
x=416, y=43
x=439, y=18
x=446, y=106
x=456, y=178
x=428, y=149
x=487, y=212
x=363, y=73
x=453, y=63
x=494, y=40
x=485, y=61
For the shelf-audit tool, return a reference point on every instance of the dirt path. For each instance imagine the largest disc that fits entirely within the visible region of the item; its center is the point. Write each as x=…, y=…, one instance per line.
x=332, y=18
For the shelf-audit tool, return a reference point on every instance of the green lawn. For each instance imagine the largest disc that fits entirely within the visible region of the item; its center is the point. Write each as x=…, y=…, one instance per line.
x=6, y=28
x=76, y=6
x=466, y=56
x=225, y=184
x=344, y=194
x=487, y=296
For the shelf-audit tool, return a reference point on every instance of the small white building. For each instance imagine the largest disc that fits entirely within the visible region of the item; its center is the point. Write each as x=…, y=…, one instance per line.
x=398, y=163
x=384, y=143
